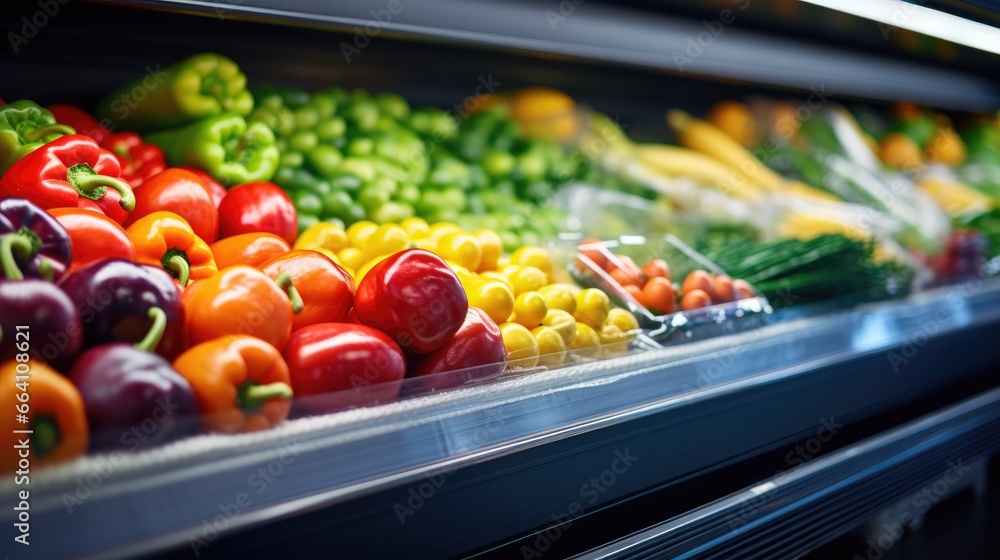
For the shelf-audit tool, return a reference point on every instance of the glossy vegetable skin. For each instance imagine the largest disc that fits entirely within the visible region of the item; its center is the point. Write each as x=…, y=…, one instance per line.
x=81, y=121
x=33, y=244
x=198, y=87
x=362, y=365
x=93, y=237
x=258, y=207
x=415, y=298
x=54, y=412
x=43, y=309
x=139, y=160
x=327, y=291
x=114, y=297
x=133, y=397
x=25, y=127
x=164, y=239
x=253, y=249
x=215, y=189
x=225, y=146
x=241, y=300
x=69, y=172
x=241, y=383
x=475, y=352
x=184, y=194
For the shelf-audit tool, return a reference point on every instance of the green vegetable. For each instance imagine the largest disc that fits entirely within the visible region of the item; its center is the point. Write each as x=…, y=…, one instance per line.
x=205, y=85
x=792, y=272
x=224, y=146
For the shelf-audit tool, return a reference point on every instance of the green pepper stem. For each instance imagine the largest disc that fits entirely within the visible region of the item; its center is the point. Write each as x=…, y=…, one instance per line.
x=155, y=333
x=46, y=130
x=9, y=243
x=180, y=266
x=45, y=435
x=251, y=396
x=284, y=281
x=45, y=268
x=89, y=183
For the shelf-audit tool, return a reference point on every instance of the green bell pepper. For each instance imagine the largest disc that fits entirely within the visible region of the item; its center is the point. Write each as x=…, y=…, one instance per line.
x=24, y=126
x=204, y=85
x=224, y=146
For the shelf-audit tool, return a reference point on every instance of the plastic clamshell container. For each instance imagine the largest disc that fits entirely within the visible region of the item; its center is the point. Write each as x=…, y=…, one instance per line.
x=682, y=325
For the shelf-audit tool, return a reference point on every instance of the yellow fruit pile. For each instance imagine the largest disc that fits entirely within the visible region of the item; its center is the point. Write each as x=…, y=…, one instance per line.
x=540, y=318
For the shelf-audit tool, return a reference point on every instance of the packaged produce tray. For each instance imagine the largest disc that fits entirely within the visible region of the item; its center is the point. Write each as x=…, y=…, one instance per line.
x=681, y=314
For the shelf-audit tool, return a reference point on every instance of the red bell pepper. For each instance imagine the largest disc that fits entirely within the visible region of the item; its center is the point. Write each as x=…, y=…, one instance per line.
x=333, y=357
x=213, y=186
x=259, y=206
x=180, y=192
x=139, y=160
x=327, y=291
x=476, y=352
x=69, y=172
x=415, y=298
x=80, y=120
x=93, y=236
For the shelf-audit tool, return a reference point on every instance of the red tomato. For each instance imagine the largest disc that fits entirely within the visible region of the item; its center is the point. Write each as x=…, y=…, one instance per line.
x=260, y=206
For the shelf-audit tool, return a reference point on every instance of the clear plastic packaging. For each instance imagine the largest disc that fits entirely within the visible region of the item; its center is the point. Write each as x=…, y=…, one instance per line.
x=679, y=326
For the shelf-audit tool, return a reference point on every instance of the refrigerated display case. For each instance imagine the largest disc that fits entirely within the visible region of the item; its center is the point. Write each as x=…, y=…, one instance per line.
x=760, y=442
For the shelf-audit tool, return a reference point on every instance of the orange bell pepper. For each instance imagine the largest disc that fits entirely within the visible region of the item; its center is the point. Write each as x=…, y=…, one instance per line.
x=165, y=239
x=53, y=409
x=242, y=300
x=326, y=289
x=242, y=383
x=248, y=248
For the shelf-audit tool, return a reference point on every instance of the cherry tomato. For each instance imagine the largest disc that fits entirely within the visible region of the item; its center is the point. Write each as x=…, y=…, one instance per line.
x=723, y=286
x=592, y=249
x=625, y=278
x=695, y=298
x=659, y=295
x=743, y=290
x=698, y=280
x=656, y=268
x=638, y=295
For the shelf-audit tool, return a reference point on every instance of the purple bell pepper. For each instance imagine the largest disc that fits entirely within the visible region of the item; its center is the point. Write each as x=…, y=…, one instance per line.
x=33, y=244
x=54, y=330
x=114, y=297
x=134, y=398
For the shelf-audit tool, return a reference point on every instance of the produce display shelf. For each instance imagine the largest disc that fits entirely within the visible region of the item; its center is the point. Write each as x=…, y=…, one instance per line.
x=622, y=34
x=794, y=512
x=518, y=445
